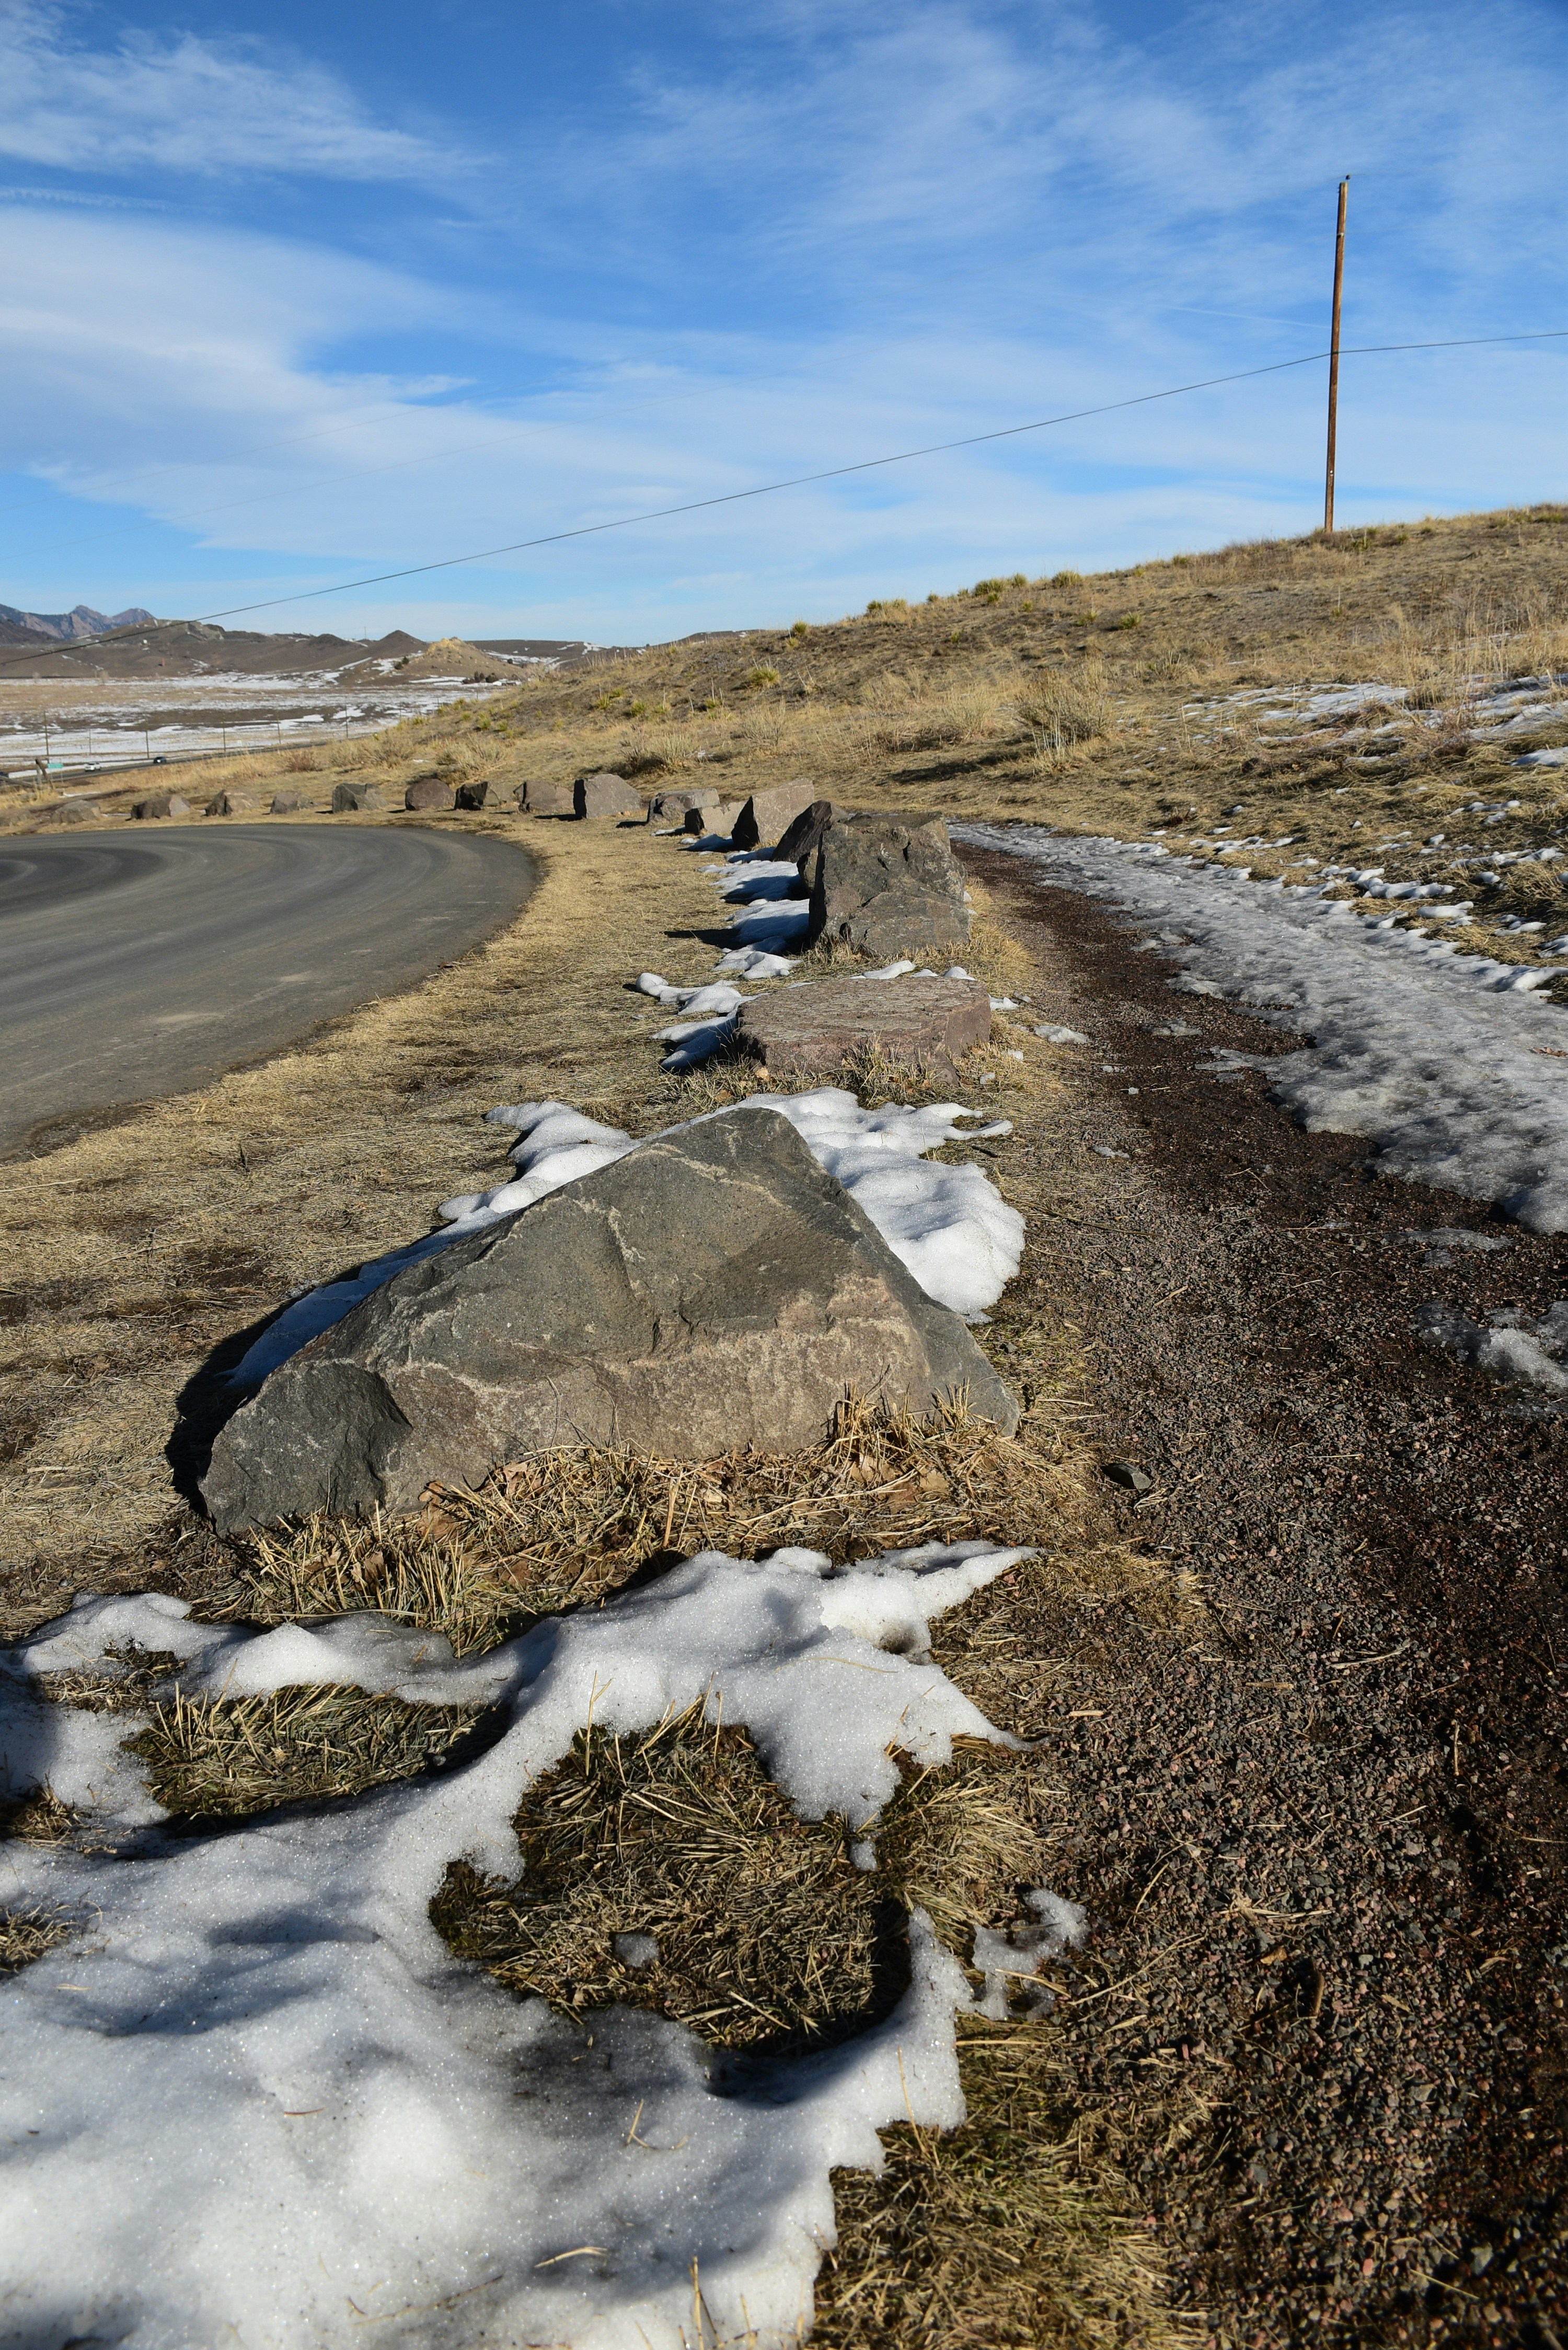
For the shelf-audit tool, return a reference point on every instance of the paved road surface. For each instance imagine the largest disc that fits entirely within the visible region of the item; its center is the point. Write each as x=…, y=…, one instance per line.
x=135, y=964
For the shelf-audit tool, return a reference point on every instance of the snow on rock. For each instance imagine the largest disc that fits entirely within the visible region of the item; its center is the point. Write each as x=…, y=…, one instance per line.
x=262, y=2101
x=1447, y=1062
x=949, y=1224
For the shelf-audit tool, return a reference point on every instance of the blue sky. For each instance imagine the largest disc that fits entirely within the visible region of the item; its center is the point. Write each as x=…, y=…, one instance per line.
x=291, y=294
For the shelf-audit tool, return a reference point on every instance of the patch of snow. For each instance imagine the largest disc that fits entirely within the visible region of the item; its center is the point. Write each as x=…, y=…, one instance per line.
x=1055, y=1034
x=1447, y=1062
x=1523, y=1354
x=1019, y=1954
x=263, y=2101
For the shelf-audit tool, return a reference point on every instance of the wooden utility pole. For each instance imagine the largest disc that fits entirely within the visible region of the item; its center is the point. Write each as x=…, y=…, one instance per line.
x=1334, y=360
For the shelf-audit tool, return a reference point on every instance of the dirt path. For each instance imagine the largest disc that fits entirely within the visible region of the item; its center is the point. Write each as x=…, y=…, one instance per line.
x=1324, y=1843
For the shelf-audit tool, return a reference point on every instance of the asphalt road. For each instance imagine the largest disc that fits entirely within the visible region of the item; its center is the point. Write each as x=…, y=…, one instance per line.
x=134, y=964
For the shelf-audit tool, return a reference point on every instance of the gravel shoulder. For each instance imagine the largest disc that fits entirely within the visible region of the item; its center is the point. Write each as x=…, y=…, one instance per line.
x=1321, y=1834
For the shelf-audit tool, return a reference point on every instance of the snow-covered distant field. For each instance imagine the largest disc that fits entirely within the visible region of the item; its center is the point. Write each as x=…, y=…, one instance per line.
x=123, y=721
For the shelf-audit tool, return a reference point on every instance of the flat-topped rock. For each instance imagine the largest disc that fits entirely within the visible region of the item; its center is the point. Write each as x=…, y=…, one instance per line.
x=717, y=817
x=159, y=804
x=350, y=799
x=606, y=795
x=715, y=1289
x=74, y=811
x=548, y=799
x=888, y=884
x=816, y=1031
x=473, y=796
x=767, y=815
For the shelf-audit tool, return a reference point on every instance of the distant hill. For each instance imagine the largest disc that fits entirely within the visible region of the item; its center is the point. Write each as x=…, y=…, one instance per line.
x=192, y=648
x=81, y=621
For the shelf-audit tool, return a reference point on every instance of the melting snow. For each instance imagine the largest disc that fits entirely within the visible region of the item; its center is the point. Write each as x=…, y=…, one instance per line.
x=261, y=2100
x=1458, y=1075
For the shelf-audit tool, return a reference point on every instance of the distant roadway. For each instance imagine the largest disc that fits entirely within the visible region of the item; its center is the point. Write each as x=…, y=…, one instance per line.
x=137, y=963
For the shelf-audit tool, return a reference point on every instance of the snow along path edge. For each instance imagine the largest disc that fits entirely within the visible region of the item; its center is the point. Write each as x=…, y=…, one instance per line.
x=1449, y=1064
x=259, y=2093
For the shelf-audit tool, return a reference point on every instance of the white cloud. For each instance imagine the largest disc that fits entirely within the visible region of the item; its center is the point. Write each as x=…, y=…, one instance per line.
x=187, y=105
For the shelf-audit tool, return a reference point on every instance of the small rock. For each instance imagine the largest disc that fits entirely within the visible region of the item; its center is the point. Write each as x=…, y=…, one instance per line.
x=606, y=795
x=815, y=1030
x=289, y=803
x=473, y=796
x=719, y=817
x=548, y=799
x=674, y=807
x=159, y=804
x=767, y=816
x=350, y=798
x=429, y=792
x=888, y=884
x=1128, y=1476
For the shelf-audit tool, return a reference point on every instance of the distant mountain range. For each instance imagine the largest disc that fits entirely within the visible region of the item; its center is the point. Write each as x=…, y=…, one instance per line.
x=82, y=622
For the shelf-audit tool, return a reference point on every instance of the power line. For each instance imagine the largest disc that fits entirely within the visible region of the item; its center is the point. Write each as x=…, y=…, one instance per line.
x=793, y=482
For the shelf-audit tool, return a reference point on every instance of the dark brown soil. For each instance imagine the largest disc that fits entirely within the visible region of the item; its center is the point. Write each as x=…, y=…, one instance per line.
x=1322, y=1841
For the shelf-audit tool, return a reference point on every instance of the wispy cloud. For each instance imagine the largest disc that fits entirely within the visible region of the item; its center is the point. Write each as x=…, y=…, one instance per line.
x=184, y=104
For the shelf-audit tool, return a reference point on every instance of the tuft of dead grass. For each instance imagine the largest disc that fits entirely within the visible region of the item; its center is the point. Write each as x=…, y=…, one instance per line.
x=769, y=1938
x=29, y=1934
x=38, y=1817
x=235, y=1756
x=998, y=2235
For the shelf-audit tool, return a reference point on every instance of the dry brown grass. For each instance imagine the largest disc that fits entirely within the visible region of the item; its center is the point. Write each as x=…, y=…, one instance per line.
x=770, y=1938
x=233, y=1756
x=29, y=1934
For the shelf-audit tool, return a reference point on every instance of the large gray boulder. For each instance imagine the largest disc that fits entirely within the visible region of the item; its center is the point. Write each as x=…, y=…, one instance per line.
x=429, y=792
x=159, y=804
x=717, y=817
x=716, y=1289
x=606, y=795
x=767, y=815
x=351, y=799
x=548, y=799
x=815, y=1032
x=888, y=885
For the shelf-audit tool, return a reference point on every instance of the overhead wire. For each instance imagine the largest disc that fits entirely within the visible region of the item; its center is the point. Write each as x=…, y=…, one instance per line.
x=791, y=482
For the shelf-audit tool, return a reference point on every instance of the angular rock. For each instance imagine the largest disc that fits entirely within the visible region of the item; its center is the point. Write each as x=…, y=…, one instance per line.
x=549, y=799
x=808, y=1032
x=715, y=1289
x=800, y=841
x=429, y=792
x=223, y=804
x=606, y=795
x=74, y=811
x=666, y=806
x=718, y=817
x=767, y=815
x=888, y=885
x=473, y=796
x=348, y=798
x=289, y=803
x=159, y=804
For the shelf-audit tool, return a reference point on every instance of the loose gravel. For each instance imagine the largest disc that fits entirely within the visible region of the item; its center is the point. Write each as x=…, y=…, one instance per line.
x=1321, y=1835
